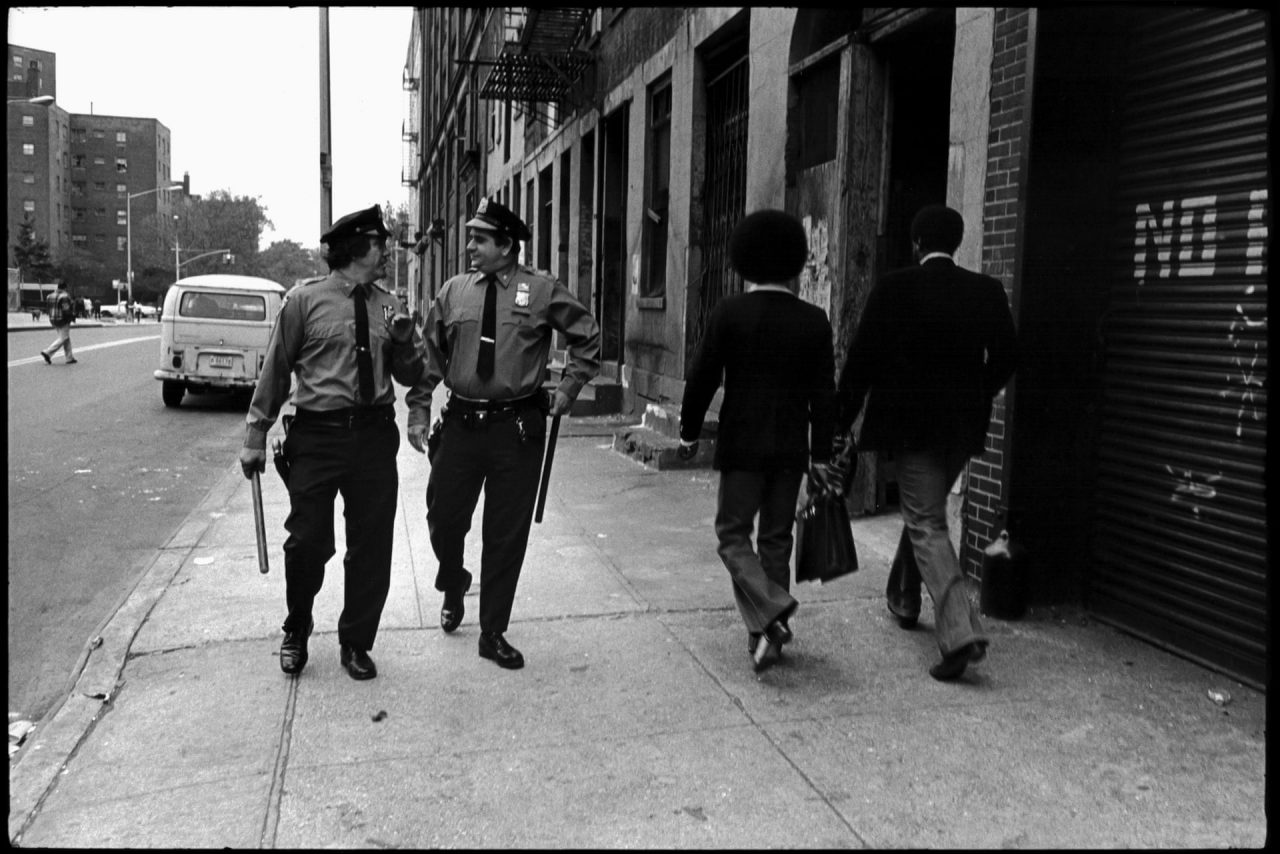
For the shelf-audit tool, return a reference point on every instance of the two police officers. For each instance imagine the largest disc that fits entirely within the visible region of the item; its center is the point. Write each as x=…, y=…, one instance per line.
x=345, y=339
x=488, y=335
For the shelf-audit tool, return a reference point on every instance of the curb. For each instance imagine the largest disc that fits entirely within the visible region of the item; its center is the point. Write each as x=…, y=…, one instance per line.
x=59, y=734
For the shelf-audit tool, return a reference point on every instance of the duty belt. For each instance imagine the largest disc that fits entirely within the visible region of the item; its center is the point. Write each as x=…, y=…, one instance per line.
x=351, y=418
x=477, y=412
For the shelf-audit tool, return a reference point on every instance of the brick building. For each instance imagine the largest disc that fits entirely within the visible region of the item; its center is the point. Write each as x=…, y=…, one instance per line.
x=37, y=143
x=1111, y=165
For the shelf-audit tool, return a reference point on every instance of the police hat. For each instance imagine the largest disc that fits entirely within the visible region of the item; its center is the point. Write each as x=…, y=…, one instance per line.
x=360, y=223
x=768, y=246
x=491, y=216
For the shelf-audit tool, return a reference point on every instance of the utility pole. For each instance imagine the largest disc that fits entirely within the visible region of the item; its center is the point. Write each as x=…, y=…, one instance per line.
x=326, y=163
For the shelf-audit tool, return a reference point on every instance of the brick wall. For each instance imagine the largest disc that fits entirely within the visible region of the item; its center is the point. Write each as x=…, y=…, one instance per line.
x=985, y=496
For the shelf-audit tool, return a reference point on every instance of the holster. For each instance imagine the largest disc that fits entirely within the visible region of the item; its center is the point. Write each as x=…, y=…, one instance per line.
x=282, y=462
x=434, y=438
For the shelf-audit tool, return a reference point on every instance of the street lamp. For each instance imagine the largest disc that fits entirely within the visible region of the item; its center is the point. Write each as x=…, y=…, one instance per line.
x=128, y=231
x=39, y=100
x=178, y=265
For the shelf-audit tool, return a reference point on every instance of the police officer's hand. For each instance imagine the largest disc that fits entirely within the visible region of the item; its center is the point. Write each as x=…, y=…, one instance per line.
x=251, y=460
x=561, y=403
x=687, y=450
x=822, y=478
x=418, y=436
x=400, y=328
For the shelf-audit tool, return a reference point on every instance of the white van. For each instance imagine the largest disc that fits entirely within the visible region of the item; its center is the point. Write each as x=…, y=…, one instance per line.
x=214, y=332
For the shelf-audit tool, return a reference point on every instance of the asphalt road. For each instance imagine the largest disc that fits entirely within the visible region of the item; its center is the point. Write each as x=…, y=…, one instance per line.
x=101, y=474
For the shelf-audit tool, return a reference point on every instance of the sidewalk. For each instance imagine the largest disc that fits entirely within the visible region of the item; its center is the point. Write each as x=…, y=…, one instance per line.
x=637, y=720
x=20, y=321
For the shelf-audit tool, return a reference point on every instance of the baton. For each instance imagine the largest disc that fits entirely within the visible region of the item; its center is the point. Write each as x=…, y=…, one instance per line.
x=259, y=524
x=546, y=468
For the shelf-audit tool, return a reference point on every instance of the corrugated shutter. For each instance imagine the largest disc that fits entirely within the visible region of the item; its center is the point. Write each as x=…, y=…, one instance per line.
x=1180, y=553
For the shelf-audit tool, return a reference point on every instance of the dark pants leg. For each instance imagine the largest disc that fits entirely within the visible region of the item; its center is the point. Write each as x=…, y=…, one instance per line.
x=494, y=457
x=361, y=465
x=761, y=579
x=902, y=592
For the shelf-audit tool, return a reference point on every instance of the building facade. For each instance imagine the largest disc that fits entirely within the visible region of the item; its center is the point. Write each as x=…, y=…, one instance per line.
x=1111, y=165
x=73, y=174
x=37, y=142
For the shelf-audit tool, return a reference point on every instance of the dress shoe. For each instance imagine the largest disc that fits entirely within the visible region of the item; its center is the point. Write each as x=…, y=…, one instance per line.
x=953, y=663
x=45, y=356
x=494, y=647
x=72, y=361
x=293, y=650
x=357, y=662
x=905, y=615
x=753, y=638
x=766, y=654
x=779, y=632
x=452, y=610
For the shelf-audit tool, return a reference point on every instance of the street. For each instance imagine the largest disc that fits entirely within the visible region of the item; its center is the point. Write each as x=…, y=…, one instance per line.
x=100, y=475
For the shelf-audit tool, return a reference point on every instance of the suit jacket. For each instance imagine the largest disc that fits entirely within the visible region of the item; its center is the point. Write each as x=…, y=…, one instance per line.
x=935, y=344
x=775, y=355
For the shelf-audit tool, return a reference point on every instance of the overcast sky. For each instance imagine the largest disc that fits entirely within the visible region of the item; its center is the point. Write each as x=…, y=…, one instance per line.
x=239, y=90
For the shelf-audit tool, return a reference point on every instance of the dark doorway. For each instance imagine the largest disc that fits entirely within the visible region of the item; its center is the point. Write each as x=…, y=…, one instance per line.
x=611, y=310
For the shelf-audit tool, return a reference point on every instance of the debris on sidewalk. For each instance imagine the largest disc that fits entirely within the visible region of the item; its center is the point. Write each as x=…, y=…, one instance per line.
x=1219, y=696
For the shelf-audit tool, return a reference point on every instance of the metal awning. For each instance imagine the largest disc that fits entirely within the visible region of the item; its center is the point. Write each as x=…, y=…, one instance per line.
x=532, y=55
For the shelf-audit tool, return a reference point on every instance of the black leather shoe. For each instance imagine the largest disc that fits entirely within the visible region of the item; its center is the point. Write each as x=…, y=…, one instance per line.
x=766, y=654
x=452, y=610
x=293, y=650
x=779, y=632
x=905, y=615
x=494, y=647
x=753, y=638
x=357, y=662
x=953, y=664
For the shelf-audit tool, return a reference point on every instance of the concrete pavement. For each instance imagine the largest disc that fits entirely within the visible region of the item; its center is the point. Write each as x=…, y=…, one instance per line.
x=637, y=720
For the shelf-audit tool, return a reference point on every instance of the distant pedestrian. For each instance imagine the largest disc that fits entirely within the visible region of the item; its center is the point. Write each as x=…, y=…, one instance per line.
x=97, y=309
x=488, y=334
x=773, y=353
x=62, y=313
x=343, y=339
x=935, y=345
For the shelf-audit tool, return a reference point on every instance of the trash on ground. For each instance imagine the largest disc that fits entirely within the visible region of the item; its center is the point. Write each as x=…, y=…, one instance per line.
x=1219, y=696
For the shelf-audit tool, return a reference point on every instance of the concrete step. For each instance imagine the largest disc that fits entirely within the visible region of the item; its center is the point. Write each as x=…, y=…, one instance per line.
x=658, y=450
x=601, y=396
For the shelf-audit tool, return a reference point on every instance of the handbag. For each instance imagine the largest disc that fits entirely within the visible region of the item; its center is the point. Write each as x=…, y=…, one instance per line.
x=824, y=539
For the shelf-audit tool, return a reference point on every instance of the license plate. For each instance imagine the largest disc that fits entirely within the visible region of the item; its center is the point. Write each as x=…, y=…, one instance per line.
x=220, y=361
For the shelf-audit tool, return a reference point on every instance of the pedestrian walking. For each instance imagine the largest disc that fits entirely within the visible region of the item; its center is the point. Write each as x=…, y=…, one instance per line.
x=97, y=309
x=773, y=353
x=343, y=339
x=62, y=313
x=488, y=335
x=935, y=345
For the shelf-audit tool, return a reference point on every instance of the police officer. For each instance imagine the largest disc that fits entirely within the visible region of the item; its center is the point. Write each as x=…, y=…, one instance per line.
x=344, y=338
x=488, y=335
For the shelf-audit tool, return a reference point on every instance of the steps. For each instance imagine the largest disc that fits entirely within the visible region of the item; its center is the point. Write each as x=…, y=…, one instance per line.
x=601, y=396
x=655, y=439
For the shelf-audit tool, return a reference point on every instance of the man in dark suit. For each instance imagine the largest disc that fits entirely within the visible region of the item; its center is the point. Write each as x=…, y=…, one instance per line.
x=935, y=344
x=774, y=354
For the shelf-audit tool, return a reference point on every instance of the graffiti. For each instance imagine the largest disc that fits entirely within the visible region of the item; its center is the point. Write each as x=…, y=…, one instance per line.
x=815, y=278
x=1185, y=238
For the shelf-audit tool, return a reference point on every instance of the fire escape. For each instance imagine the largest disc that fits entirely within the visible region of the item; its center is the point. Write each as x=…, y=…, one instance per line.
x=530, y=57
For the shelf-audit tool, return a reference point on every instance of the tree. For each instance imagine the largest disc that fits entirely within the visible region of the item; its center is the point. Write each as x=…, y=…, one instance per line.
x=221, y=221
x=286, y=261
x=396, y=218
x=31, y=256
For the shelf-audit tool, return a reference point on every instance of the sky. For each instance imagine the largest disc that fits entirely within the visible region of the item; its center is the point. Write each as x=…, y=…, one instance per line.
x=239, y=90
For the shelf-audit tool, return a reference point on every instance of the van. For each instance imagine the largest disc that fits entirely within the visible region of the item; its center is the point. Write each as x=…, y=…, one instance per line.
x=213, y=334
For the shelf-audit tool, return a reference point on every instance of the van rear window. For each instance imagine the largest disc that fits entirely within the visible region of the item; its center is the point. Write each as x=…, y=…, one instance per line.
x=223, y=306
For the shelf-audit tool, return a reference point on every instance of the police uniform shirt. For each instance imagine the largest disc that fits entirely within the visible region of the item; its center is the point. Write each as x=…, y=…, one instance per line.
x=530, y=306
x=315, y=337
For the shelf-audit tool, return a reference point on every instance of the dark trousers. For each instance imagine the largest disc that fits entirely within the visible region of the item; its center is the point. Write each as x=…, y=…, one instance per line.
x=492, y=456
x=761, y=575
x=360, y=464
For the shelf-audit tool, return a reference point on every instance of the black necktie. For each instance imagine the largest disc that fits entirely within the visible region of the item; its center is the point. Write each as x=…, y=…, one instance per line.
x=488, y=329
x=364, y=359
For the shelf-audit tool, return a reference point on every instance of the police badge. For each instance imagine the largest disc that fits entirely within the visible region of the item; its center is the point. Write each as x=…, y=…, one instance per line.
x=522, y=294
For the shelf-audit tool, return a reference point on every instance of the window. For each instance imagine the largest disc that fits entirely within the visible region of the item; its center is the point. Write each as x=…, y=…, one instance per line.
x=657, y=190
x=122, y=218
x=121, y=242
x=79, y=238
x=98, y=134
x=122, y=164
x=28, y=121
x=28, y=177
x=121, y=137
x=17, y=62
x=77, y=161
x=28, y=148
x=122, y=190
x=818, y=93
x=29, y=205
x=99, y=161
x=100, y=186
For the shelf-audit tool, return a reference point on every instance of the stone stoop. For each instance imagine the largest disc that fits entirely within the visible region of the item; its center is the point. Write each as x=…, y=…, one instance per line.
x=601, y=396
x=656, y=438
